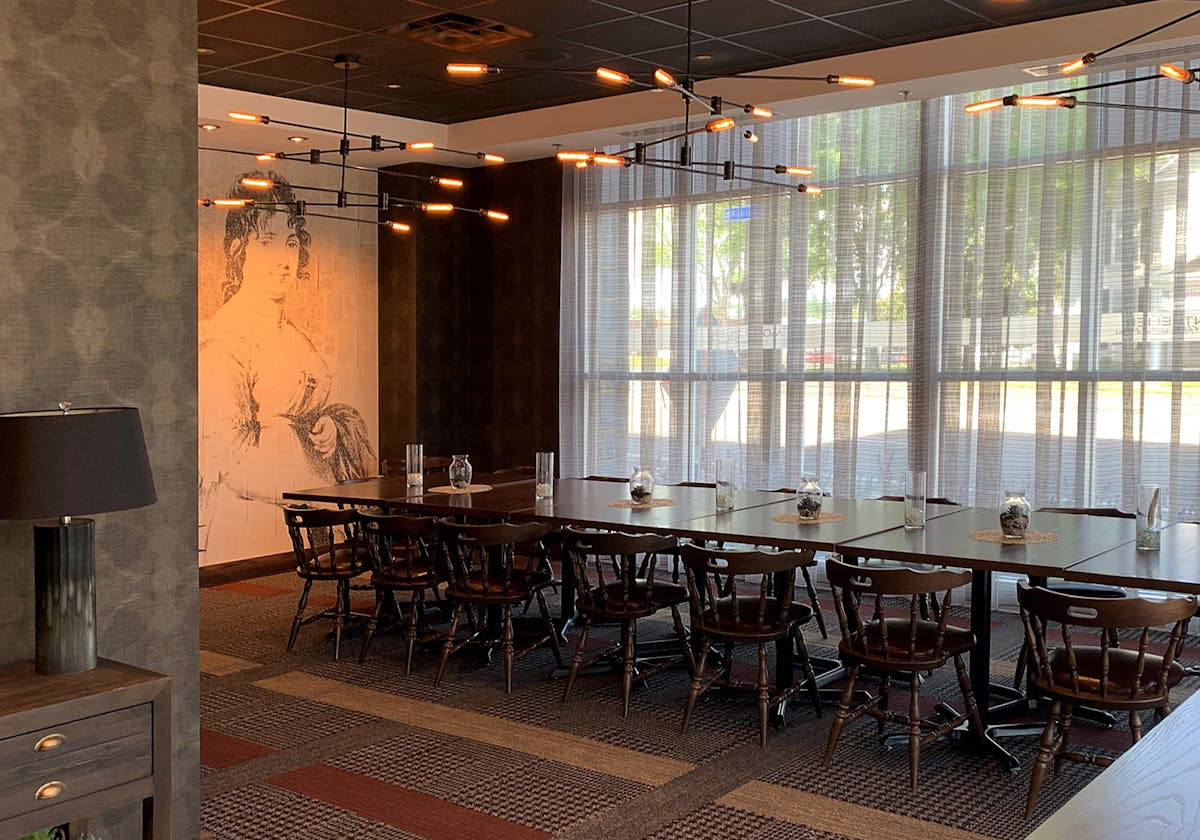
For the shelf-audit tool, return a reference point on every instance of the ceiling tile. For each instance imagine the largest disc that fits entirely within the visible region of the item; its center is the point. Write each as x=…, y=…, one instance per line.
x=905, y=21
x=272, y=30
x=821, y=8
x=724, y=57
x=248, y=81
x=378, y=51
x=544, y=17
x=1007, y=12
x=798, y=41
x=422, y=111
x=355, y=14
x=640, y=6
x=332, y=95
x=628, y=35
x=227, y=53
x=302, y=68
x=712, y=17
x=544, y=51
x=209, y=9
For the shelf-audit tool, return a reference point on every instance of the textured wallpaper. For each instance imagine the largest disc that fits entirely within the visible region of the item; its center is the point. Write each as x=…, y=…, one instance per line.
x=97, y=289
x=288, y=349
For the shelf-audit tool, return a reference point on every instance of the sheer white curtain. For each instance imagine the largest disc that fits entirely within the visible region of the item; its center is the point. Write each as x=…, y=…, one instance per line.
x=1010, y=299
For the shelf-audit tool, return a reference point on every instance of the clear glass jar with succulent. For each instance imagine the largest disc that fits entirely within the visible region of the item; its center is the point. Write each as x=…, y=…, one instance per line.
x=808, y=498
x=460, y=472
x=1014, y=514
x=641, y=486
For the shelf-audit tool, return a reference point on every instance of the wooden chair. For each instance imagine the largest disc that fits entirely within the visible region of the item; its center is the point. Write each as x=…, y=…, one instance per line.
x=482, y=572
x=746, y=597
x=929, y=606
x=393, y=468
x=1078, y=673
x=327, y=547
x=889, y=646
x=608, y=571
x=402, y=561
x=1072, y=587
x=435, y=463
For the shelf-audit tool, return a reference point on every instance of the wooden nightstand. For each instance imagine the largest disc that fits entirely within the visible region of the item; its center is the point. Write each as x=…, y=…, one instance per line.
x=78, y=745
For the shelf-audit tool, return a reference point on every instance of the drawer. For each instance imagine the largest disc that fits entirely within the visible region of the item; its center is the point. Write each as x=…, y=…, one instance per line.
x=99, y=758
x=46, y=744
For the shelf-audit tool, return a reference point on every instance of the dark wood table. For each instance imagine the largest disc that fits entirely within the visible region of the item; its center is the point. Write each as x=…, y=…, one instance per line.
x=1174, y=567
x=508, y=494
x=946, y=540
x=1149, y=791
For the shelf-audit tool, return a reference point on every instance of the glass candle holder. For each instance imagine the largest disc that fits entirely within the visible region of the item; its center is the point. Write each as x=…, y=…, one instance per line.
x=723, y=483
x=460, y=472
x=1014, y=514
x=914, y=500
x=641, y=486
x=543, y=486
x=414, y=464
x=808, y=498
x=1149, y=518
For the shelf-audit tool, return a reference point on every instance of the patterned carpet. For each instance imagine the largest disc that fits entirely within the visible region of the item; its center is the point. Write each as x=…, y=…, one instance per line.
x=297, y=745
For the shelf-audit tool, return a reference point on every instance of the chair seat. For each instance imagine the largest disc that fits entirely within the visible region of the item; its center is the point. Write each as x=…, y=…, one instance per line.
x=420, y=577
x=956, y=641
x=718, y=619
x=346, y=564
x=490, y=589
x=612, y=603
x=1122, y=672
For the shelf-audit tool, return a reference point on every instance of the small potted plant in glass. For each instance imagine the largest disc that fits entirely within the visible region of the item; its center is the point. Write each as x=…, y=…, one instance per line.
x=808, y=498
x=1014, y=514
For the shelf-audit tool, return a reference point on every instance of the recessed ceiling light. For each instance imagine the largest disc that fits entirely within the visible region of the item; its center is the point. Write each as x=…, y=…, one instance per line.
x=205, y=51
x=704, y=57
x=395, y=85
x=209, y=126
x=296, y=138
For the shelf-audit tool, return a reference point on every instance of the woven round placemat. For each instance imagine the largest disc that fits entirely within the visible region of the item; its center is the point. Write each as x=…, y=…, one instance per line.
x=995, y=535
x=452, y=491
x=795, y=519
x=632, y=505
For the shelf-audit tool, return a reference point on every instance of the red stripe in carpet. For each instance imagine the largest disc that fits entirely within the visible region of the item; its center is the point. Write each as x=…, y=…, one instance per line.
x=220, y=751
x=410, y=810
x=256, y=590
x=324, y=602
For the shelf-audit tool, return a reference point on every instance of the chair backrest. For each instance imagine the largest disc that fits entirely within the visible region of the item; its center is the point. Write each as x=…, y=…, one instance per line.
x=1090, y=511
x=865, y=626
x=434, y=463
x=1040, y=606
x=606, y=564
x=751, y=590
x=322, y=538
x=485, y=554
x=511, y=474
x=399, y=545
x=392, y=468
x=614, y=478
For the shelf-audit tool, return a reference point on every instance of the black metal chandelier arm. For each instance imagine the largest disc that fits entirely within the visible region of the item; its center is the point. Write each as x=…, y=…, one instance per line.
x=1159, y=28
x=671, y=166
x=1100, y=85
x=1135, y=107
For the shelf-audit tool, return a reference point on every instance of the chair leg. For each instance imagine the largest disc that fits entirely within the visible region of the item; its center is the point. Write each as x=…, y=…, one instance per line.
x=1022, y=658
x=681, y=634
x=577, y=659
x=914, y=728
x=1135, y=725
x=508, y=648
x=694, y=691
x=343, y=596
x=885, y=693
x=816, y=602
x=381, y=598
x=553, y=631
x=841, y=716
x=416, y=615
x=448, y=646
x=1046, y=751
x=810, y=675
x=299, y=616
x=964, y=686
x=764, y=694
x=629, y=631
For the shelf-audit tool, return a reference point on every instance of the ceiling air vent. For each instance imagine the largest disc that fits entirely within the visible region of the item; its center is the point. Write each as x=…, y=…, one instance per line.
x=459, y=32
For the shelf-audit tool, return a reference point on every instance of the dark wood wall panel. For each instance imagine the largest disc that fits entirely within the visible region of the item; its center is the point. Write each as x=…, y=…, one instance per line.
x=468, y=323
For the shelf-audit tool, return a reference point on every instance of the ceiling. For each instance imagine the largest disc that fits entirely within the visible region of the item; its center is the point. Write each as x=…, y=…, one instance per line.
x=286, y=48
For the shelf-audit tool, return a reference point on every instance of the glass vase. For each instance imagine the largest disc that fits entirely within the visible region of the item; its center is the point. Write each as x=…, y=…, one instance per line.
x=460, y=472
x=1014, y=514
x=808, y=498
x=641, y=486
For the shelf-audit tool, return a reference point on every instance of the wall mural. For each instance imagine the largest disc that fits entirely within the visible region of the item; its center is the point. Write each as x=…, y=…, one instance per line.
x=288, y=356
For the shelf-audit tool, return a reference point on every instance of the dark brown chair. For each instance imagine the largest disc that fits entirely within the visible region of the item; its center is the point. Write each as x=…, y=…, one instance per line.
x=435, y=463
x=1080, y=673
x=746, y=597
x=484, y=573
x=392, y=468
x=907, y=644
x=401, y=561
x=327, y=547
x=511, y=474
x=607, y=568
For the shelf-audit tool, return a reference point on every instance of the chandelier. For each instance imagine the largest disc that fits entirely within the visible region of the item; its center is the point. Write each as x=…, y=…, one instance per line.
x=268, y=189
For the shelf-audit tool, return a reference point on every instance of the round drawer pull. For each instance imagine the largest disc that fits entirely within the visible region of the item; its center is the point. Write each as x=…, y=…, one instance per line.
x=50, y=790
x=50, y=742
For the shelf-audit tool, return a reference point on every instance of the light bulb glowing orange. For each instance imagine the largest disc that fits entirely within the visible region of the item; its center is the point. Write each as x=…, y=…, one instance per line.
x=244, y=117
x=400, y=227
x=490, y=158
x=581, y=164
x=751, y=136
x=570, y=156
x=233, y=202
x=608, y=160
x=497, y=215
x=267, y=156
x=420, y=146
x=450, y=183
x=719, y=124
x=467, y=69
x=1041, y=101
x=799, y=171
x=759, y=111
x=209, y=126
x=1179, y=74
x=664, y=78
x=852, y=81
x=615, y=76
x=258, y=183
x=812, y=189
x=985, y=105
x=437, y=208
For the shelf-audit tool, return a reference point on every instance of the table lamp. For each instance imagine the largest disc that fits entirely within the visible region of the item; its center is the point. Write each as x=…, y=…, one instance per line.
x=62, y=464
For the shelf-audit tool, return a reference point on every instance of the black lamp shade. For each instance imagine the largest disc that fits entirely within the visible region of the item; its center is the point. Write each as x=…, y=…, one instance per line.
x=89, y=460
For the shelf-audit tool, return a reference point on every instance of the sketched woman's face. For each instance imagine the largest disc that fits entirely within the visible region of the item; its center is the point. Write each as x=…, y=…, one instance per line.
x=271, y=257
